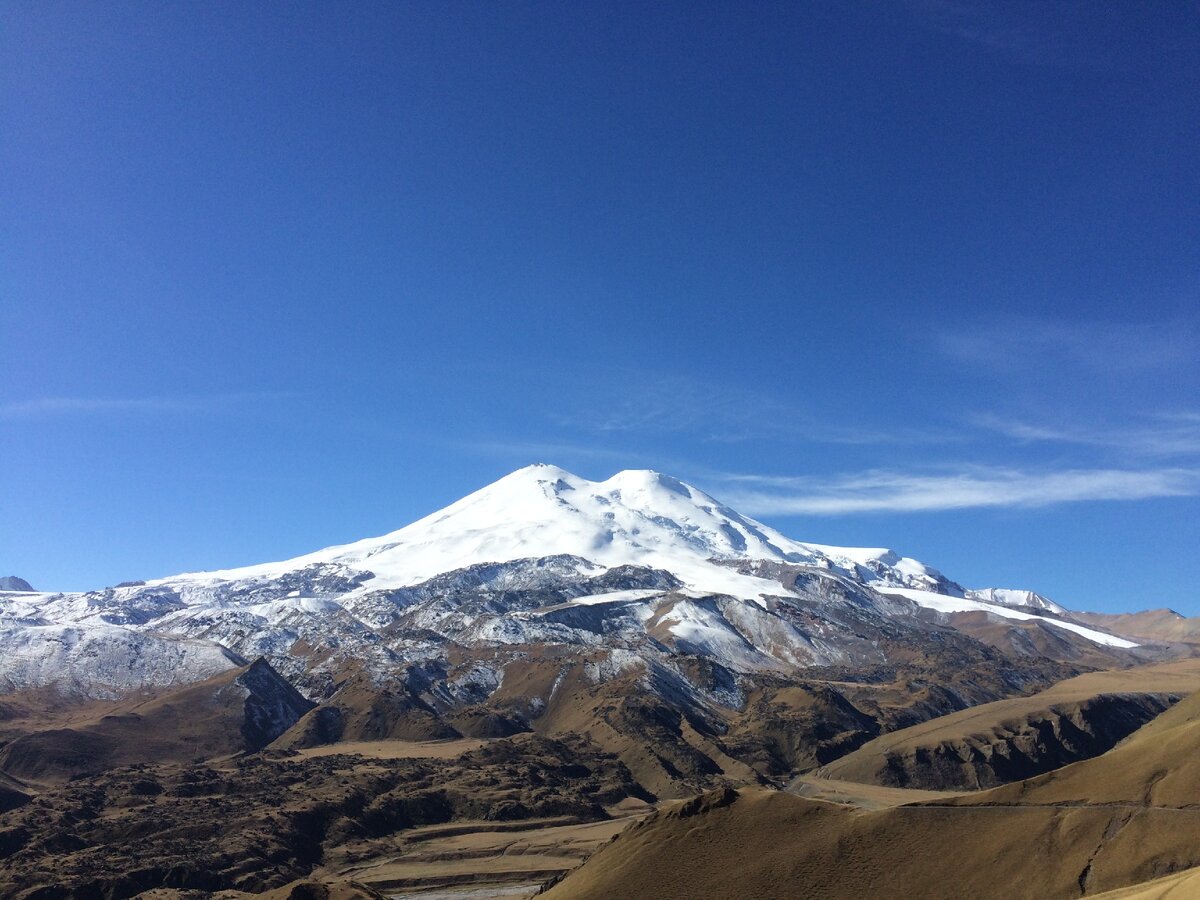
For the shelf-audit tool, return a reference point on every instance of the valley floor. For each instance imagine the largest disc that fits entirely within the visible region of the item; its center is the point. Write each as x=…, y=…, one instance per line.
x=478, y=860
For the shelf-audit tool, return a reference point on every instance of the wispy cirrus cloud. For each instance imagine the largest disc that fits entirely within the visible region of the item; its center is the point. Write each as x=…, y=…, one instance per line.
x=641, y=403
x=980, y=24
x=1162, y=434
x=79, y=405
x=1075, y=35
x=886, y=491
x=1031, y=344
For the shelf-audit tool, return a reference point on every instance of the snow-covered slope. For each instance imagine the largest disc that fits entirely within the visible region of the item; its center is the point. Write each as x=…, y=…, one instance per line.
x=945, y=604
x=1009, y=597
x=103, y=661
x=637, y=517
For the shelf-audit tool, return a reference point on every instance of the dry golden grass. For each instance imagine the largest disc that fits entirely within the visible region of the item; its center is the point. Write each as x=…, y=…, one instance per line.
x=1181, y=886
x=775, y=845
x=863, y=796
x=1159, y=765
x=1110, y=823
x=1180, y=677
x=1150, y=624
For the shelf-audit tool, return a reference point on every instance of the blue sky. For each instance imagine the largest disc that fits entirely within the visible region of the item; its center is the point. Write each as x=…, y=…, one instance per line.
x=915, y=274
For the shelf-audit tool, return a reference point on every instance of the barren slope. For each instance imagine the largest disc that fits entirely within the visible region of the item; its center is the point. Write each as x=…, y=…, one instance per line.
x=1017, y=738
x=1150, y=624
x=240, y=710
x=1123, y=818
x=1181, y=886
x=1159, y=766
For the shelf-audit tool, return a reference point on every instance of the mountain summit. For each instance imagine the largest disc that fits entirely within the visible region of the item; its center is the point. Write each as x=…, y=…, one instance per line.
x=637, y=517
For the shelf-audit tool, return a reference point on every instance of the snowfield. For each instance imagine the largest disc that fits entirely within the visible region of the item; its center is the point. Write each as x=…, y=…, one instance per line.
x=962, y=604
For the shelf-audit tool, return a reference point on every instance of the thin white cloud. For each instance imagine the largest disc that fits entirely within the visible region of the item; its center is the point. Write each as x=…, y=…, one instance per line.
x=65, y=406
x=1067, y=35
x=1029, y=344
x=643, y=403
x=879, y=490
x=1165, y=434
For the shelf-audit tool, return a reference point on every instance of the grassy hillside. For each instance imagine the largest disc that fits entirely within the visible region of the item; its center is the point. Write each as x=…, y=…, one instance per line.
x=1123, y=818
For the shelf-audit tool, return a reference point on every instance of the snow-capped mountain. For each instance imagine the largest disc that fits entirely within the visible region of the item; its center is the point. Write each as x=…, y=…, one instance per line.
x=637, y=517
x=1025, y=599
x=640, y=564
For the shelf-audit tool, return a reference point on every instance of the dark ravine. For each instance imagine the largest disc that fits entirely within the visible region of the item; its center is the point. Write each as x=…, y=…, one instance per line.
x=1062, y=734
x=13, y=794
